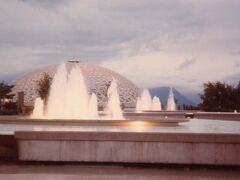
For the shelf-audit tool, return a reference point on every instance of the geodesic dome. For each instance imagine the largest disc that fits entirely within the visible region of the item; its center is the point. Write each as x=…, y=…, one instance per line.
x=97, y=80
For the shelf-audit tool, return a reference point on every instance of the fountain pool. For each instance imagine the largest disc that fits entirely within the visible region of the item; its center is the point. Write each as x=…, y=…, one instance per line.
x=69, y=127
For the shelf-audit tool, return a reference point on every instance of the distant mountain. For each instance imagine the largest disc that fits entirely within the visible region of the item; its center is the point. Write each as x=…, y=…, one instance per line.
x=162, y=93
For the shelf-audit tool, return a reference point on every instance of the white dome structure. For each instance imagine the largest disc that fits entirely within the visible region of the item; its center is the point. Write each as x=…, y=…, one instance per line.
x=97, y=79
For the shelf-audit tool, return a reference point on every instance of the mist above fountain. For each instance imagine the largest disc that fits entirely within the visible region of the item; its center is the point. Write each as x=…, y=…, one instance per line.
x=171, y=105
x=146, y=103
x=69, y=98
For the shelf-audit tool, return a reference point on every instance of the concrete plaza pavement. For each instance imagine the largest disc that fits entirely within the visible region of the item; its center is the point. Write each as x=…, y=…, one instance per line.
x=82, y=171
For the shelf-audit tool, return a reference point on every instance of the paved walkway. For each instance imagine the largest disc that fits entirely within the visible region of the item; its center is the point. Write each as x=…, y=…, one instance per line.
x=27, y=171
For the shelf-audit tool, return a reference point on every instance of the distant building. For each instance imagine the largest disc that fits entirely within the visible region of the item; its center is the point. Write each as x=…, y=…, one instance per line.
x=97, y=80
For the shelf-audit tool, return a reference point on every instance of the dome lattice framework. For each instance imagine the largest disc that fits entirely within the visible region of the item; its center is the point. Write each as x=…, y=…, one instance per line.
x=97, y=80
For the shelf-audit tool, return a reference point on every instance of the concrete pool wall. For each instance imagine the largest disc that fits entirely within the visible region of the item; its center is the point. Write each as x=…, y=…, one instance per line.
x=198, y=141
x=174, y=148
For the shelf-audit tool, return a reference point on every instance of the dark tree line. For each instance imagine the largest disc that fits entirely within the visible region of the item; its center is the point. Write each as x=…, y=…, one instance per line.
x=190, y=107
x=5, y=94
x=7, y=106
x=219, y=97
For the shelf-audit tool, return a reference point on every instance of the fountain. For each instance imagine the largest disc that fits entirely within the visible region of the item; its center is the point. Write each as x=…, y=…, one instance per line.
x=114, y=106
x=69, y=98
x=146, y=103
x=93, y=106
x=38, y=111
x=171, y=105
x=156, y=104
x=142, y=138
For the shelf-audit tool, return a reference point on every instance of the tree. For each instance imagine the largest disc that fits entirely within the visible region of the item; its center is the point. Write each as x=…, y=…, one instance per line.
x=238, y=86
x=43, y=87
x=237, y=97
x=184, y=107
x=5, y=94
x=179, y=107
x=218, y=96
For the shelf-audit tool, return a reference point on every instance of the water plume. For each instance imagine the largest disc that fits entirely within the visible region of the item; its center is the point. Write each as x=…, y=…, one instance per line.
x=146, y=103
x=38, y=111
x=114, y=105
x=68, y=97
x=171, y=105
x=156, y=104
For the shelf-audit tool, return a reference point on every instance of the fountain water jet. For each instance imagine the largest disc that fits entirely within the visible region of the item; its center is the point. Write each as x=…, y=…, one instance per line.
x=68, y=98
x=38, y=111
x=156, y=104
x=146, y=103
x=93, y=106
x=76, y=97
x=171, y=105
x=55, y=105
x=114, y=105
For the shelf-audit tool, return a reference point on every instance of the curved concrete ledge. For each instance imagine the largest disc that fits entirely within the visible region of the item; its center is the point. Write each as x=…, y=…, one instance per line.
x=99, y=122
x=181, y=114
x=129, y=136
x=179, y=148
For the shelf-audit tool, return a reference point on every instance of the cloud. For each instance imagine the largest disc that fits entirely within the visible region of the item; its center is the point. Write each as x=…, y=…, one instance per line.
x=186, y=64
x=232, y=79
x=161, y=69
x=44, y=3
x=149, y=41
x=235, y=52
x=136, y=26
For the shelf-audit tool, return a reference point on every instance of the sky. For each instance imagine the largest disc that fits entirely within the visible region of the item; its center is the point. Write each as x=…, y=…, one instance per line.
x=178, y=43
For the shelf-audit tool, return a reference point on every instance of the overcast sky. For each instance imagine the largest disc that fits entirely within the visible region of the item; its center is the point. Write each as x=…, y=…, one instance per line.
x=179, y=43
